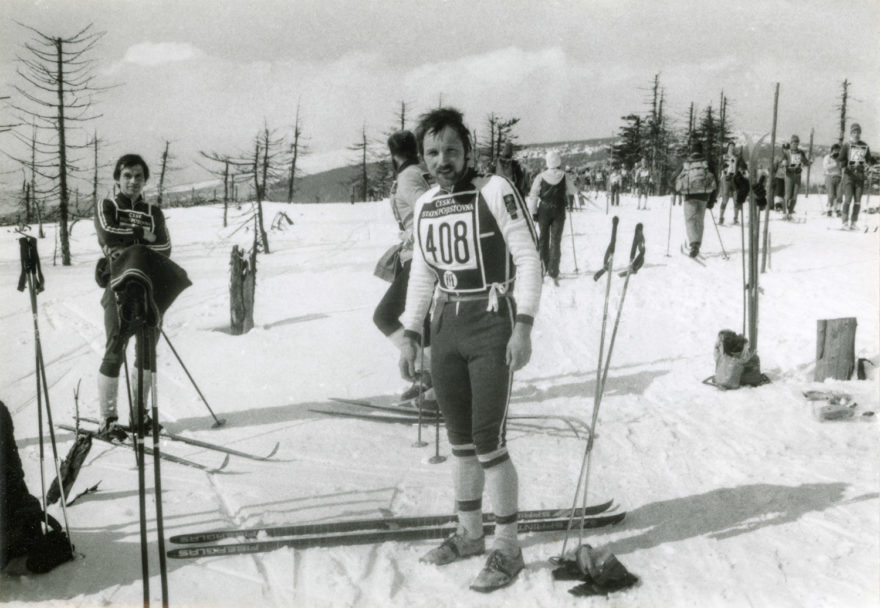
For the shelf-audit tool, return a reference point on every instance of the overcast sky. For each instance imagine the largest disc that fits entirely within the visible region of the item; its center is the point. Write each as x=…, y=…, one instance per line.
x=206, y=74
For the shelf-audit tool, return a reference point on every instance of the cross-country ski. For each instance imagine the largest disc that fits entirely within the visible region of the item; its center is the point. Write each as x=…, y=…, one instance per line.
x=385, y=523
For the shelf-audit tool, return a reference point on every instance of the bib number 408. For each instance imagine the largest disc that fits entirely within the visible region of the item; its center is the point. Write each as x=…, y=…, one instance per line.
x=447, y=244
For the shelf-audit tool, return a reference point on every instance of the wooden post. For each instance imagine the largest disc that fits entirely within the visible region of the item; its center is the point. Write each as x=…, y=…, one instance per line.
x=242, y=285
x=809, y=166
x=835, y=348
x=771, y=179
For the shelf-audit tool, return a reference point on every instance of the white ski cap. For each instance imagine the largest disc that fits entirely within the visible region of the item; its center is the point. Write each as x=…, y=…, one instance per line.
x=553, y=159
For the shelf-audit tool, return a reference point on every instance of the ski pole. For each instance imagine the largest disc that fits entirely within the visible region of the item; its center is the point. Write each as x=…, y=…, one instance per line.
x=129, y=394
x=138, y=426
x=637, y=256
x=669, y=225
x=32, y=277
x=157, y=481
x=606, y=268
x=718, y=232
x=217, y=421
x=573, y=251
x=742, y=234
x=419, y=443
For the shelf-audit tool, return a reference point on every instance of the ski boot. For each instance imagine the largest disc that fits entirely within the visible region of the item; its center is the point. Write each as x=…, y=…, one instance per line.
x=500, y=570
x=111, y=430
x=456, y=546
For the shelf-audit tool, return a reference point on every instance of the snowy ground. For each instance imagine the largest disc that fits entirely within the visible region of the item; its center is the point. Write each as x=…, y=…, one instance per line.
x=738, y=498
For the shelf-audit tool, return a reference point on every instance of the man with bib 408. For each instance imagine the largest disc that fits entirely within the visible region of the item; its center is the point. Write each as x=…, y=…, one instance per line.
x=475, y=237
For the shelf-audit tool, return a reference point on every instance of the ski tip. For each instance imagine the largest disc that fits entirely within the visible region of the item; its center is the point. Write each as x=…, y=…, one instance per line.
x=222, y=466
x=273, y=452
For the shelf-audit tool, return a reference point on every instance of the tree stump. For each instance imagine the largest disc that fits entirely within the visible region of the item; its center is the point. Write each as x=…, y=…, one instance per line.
x=835, y=348
x=242, y=286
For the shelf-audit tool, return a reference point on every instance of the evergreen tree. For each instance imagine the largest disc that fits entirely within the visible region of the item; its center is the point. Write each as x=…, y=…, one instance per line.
x=628, y=149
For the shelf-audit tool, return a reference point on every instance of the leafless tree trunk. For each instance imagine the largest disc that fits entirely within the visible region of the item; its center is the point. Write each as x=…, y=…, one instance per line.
x=242, y=288
x=260, y=189
x=225, y=191
x=844, y=94
x=95, y=177
x=162, y=172
x=362, y=148
x=296, y=148
x=57, y=90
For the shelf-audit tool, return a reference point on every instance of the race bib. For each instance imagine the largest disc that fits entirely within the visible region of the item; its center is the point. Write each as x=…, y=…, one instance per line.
x=129, y=218
x=857, y=155
x=731, y=166
x=449, y=241
x=795, y=160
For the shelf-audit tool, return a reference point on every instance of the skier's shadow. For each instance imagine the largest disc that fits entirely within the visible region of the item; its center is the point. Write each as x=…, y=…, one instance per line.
x=621, y=384
x=727, y=512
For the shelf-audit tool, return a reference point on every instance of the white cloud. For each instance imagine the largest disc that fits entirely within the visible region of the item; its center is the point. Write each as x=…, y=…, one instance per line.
x=156, y=53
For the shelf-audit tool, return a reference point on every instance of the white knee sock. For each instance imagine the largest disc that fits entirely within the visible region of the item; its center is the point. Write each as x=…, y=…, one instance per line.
x=108, y=389
x=504, y=491
x=469, y=481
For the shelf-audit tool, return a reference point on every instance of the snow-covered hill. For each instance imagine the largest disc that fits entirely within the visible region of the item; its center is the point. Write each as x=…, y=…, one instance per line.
x=738, y=498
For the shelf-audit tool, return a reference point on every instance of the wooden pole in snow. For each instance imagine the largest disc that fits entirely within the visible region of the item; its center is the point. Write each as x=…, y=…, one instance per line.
x=810, y=165
x=771, y=179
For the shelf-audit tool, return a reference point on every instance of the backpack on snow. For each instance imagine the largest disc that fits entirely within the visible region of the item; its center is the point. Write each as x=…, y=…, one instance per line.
x=695, y=178
x=735, y=363
x=24, y=547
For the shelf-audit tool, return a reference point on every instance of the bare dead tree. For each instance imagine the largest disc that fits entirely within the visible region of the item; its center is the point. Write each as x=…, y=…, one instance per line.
x=163, y=171
x=841, y=107
x=401, y=115
x=57, y=90
x=500, y=131
x=297, y=149
x=226, y=172
x=7, y=126
x=362, y=147
x=491, y=122
x=97, y=166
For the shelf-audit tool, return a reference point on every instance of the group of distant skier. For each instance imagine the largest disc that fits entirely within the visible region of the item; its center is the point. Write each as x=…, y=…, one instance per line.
x=846, y=177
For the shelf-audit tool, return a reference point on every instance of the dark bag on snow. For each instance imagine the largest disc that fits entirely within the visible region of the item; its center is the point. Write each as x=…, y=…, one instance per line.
x=731, y=354
x=24, y=548
x=735, y=364
x=599, y=571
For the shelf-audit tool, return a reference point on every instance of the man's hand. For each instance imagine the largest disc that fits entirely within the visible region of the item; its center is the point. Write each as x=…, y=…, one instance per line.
x=149, y=236
x=407, y=362
x=519, y=348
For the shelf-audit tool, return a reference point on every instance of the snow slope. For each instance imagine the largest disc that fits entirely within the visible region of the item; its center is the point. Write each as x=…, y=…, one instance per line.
x=738, y=498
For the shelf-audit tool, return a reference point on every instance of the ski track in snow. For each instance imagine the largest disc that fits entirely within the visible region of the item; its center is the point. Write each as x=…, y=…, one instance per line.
x=737, y=498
